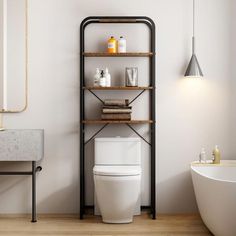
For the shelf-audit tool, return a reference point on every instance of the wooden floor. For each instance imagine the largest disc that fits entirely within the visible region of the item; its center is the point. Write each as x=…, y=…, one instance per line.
x=56, y=225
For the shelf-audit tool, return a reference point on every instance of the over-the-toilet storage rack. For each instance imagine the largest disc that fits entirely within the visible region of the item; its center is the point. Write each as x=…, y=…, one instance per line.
x=151, y=89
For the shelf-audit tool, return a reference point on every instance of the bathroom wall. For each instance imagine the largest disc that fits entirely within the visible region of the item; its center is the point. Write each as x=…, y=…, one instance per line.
x=16, y=55
x=190, y=113
x=233, y=75
x=1, y=53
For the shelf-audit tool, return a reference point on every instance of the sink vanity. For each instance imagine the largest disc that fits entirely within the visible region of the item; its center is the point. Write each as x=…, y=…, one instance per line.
x=25, y=145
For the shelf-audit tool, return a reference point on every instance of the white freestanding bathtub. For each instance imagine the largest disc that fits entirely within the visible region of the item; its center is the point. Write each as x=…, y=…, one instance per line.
x=215, y=191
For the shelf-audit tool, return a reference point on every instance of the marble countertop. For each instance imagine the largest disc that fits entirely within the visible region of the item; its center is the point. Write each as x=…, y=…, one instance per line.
x=21, y=145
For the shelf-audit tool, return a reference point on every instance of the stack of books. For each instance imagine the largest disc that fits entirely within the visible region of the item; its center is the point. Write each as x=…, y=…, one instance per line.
x=116, y=109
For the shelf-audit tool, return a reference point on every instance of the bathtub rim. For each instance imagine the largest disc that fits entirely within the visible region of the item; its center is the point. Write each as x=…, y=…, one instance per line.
x=224, y=163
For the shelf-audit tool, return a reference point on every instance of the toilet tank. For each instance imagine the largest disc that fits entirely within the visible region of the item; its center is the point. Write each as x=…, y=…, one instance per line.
x=118, y=151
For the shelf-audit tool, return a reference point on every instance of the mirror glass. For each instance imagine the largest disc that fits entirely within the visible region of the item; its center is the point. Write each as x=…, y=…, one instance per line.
x=13, y=55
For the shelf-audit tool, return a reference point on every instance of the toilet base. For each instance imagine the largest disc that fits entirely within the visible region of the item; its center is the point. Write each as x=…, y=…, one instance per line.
x=123, y=221
x=117, y=197
x=137, y=210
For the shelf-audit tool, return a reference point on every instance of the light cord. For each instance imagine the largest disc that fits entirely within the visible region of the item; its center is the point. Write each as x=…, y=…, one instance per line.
x=193, y=38
x=193, y=18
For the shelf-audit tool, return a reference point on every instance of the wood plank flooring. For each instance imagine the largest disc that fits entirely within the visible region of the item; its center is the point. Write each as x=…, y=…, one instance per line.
x=69, y=225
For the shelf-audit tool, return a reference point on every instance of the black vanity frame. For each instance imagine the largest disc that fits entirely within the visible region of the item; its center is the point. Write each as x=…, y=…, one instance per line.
x=152, y=104
x=33, y=172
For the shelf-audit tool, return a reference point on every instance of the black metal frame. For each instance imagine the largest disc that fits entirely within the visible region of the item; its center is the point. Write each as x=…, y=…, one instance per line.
x=119, y=19
x=35, y=169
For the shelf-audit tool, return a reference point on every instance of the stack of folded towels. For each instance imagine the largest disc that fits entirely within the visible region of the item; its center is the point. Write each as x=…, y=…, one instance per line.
x=116, y=109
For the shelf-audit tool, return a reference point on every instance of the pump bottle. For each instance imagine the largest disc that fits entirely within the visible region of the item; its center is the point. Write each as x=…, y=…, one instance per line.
x=216, y=155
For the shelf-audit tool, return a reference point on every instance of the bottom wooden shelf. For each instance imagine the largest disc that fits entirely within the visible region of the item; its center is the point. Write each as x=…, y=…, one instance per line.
x=117, y=121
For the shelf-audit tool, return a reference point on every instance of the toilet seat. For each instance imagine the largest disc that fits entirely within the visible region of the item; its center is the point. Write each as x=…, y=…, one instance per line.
x=117, y=170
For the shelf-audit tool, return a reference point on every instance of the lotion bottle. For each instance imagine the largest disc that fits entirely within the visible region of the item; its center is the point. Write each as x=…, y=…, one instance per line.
x=108, y=78
x=216, y=155
x=112, y=45
x=121, y=45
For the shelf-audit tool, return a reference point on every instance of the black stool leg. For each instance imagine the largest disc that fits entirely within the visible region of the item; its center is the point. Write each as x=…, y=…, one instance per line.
x=34, y=216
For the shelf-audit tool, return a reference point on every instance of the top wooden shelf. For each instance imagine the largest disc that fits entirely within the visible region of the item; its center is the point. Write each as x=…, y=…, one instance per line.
x=97, y=122
x=124, y=54
x=118, y=88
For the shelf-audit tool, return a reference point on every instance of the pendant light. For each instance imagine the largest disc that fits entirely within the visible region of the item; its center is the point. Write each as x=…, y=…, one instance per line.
x=194, y=69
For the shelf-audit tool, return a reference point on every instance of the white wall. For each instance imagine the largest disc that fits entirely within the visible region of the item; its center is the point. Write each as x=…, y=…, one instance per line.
x=13, y=54
x=233, y=71
x=16, y=54
x=1, y=53
x=190, y=113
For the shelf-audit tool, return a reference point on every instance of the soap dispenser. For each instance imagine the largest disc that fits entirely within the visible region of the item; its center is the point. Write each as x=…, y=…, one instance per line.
x=216, y=155
x=102, y=81
x=108, y=78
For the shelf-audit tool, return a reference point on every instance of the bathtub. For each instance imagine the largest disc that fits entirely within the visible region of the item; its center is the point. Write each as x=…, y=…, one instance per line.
x=215, y=191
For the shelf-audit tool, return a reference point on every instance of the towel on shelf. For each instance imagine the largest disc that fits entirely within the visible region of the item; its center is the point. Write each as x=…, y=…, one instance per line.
x=116, y=109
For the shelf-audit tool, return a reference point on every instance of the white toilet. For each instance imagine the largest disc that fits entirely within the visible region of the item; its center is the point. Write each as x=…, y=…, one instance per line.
x=117, y=178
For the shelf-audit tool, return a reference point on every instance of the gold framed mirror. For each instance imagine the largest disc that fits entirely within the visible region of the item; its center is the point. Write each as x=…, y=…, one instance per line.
x=13, y=56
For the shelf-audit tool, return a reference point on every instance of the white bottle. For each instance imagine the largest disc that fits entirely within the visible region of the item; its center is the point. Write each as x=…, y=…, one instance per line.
x=97, y=78
x=108, y=78
x=202, y=156
x=102, y=81
x=121, y=45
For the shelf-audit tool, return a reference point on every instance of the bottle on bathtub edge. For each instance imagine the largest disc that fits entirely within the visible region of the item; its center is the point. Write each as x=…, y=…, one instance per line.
x=202, y=156
x=216, y=155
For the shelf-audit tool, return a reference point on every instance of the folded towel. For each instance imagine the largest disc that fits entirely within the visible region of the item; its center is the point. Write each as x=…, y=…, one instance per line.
x=116, y=102
x=116, y=116
x=115, y=111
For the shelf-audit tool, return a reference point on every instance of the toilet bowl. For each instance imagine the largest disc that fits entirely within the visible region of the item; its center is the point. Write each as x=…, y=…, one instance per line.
x=117, y=192
x=117, y=178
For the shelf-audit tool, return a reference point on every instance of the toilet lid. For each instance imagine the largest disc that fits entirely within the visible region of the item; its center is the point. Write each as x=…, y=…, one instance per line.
x=117, y=170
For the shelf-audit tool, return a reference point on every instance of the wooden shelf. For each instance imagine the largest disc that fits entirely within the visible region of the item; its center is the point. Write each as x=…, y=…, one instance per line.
x=125, y=54
x=117, y=88
x=117, y=121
